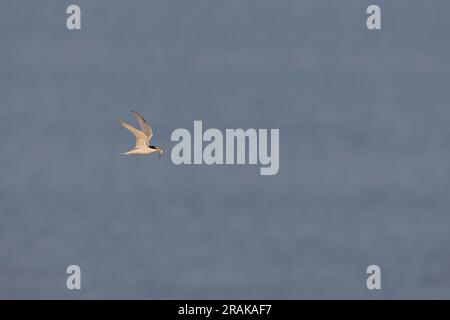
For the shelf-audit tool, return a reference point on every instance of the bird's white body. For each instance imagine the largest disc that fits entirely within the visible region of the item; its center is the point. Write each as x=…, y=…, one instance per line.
x=141, y=151
x=143, y=137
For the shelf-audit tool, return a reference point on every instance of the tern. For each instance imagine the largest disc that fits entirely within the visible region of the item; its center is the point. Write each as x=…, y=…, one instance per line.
x=143, y=137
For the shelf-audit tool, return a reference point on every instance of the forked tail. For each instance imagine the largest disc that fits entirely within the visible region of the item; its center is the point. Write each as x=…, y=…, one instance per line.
x=128, y=152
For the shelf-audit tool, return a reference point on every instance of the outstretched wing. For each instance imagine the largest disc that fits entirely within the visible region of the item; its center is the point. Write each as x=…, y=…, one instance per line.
x=144, y=125
x=142, y=140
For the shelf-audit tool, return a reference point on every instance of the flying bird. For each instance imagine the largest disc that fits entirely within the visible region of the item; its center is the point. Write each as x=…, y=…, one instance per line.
x=143, y=137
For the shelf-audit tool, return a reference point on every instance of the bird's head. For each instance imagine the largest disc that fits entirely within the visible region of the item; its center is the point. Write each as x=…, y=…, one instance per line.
x=157, y=149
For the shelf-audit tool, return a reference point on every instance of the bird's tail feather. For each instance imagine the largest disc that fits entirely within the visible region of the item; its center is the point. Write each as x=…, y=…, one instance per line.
x=128, y=152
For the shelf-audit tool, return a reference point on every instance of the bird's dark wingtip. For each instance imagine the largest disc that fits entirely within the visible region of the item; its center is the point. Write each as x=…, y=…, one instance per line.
x=136, y=113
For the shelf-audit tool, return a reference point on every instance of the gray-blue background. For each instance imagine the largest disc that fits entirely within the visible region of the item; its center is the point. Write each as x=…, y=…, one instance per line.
x=364, y=137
